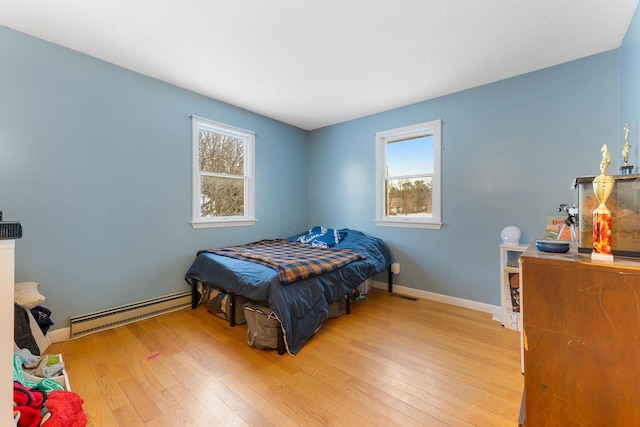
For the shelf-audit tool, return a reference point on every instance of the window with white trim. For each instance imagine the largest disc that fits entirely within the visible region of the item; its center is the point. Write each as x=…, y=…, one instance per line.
x=408, y=183
x=223, y=175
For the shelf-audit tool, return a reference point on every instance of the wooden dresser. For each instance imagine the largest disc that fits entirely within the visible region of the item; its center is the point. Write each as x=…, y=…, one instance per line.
x=581, y=340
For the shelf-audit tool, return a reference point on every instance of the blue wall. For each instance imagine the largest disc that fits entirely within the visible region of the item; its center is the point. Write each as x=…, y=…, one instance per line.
x=510, y=152
x=95, y=161
x=630, y=91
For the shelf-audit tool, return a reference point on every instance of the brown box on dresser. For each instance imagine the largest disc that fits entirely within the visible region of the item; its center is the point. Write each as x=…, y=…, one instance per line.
x=624, y=204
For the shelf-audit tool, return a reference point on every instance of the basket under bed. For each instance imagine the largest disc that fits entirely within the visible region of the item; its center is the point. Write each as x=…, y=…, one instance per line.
x=231, y=315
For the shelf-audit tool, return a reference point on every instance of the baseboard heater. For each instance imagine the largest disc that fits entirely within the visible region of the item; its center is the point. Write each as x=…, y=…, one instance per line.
x=105, y=319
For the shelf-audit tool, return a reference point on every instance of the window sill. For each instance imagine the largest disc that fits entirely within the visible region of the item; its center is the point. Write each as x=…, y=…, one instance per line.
x=223, y=223
x=409, y=224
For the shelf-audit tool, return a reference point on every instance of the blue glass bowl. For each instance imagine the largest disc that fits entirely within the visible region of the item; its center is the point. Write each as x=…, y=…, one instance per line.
x=557, y=246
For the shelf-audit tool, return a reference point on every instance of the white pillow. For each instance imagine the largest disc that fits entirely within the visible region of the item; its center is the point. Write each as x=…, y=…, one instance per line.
x=26, y=294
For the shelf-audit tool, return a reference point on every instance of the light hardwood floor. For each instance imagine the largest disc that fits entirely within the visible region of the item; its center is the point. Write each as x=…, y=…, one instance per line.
x=391, y=362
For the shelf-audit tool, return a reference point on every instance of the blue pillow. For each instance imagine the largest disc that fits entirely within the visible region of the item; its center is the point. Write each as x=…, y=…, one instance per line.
x=322, y=237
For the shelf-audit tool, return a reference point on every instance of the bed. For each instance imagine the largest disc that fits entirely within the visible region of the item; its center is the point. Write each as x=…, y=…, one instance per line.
x=301, y=304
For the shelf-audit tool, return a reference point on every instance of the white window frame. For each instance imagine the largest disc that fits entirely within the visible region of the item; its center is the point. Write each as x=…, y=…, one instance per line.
x=197, y=221
x=433, y=128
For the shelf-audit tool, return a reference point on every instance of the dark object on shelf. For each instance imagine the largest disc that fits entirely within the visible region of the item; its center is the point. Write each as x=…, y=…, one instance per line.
x=514, y=290
x=557, y=246
x=10, y=230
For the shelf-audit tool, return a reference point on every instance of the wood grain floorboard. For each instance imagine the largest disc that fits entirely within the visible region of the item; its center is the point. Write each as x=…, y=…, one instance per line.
x=391, y=362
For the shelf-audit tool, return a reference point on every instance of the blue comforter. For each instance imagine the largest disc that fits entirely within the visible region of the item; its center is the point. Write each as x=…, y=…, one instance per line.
x=302, y=306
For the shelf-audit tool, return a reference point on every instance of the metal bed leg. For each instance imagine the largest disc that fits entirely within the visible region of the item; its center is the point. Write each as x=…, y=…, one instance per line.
x=194, y=296
x=231, y=310
x=348, y=297
x=281, y=347
x=390, y=279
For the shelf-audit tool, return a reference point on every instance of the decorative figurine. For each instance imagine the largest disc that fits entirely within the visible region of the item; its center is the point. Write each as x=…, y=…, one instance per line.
x=606, y=160
x=626, y=169
x=602, y=220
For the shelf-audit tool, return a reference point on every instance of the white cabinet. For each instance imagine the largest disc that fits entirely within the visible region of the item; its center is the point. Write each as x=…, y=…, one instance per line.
x=510, y=285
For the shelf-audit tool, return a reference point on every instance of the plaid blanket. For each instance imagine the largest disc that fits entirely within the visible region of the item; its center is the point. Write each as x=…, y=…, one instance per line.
x=292, y=260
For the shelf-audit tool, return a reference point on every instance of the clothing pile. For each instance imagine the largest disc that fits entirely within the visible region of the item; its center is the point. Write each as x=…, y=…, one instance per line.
x=39, y=398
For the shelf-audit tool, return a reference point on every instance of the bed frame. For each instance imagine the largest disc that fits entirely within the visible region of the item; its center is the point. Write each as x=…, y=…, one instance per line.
x=231, y=313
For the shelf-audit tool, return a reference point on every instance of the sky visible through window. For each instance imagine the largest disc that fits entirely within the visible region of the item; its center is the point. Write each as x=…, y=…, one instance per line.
x=410, y=157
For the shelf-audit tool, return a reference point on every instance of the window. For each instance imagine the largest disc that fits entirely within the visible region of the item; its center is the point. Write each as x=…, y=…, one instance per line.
x=223, y=175
x=408, y=176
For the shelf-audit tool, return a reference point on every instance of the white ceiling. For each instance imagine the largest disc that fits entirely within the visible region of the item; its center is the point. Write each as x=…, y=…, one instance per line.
x=316, y=63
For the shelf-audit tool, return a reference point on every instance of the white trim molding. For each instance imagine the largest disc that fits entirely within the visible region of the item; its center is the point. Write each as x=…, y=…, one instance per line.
x=446, y=299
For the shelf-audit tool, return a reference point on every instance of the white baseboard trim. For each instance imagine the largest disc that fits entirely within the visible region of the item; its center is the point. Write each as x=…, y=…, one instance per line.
x=494, y=310
x=63, y=334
